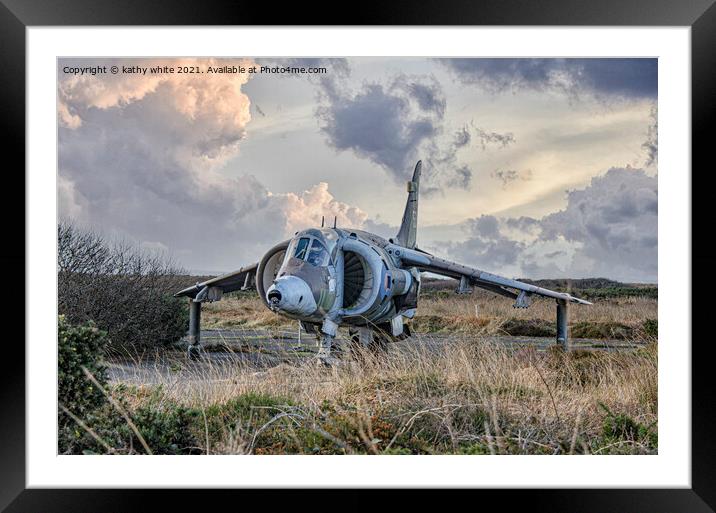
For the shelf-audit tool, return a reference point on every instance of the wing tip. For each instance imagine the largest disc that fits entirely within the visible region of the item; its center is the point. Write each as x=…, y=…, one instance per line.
x=187, y=292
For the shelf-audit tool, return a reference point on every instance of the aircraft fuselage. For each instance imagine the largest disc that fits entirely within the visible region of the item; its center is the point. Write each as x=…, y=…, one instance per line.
x=349, y=277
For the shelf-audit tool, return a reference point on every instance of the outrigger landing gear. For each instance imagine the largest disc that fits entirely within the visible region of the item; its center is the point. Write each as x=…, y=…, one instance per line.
x=194, y=329
x=562, y=336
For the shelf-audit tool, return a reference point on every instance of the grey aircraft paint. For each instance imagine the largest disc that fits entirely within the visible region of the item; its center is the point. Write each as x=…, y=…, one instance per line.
x=331, y=277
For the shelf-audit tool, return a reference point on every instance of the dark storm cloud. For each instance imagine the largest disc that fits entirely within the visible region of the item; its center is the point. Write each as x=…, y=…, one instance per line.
x=430, y=97
x=485, y=246
x=398, y=123
x=386, y=124
x=608, y=228
x=627, y=78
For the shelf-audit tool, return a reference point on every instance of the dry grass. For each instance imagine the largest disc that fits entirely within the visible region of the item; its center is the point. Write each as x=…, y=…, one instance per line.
x=245, y=310
x=464, y=397
x=460, y=394
x=627, y=310
x=479, y=313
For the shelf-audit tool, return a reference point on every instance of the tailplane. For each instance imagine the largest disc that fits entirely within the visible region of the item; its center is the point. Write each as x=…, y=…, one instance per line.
x=409, y=227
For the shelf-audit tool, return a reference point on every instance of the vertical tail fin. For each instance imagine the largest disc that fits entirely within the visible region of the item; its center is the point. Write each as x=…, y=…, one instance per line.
x=409, y=227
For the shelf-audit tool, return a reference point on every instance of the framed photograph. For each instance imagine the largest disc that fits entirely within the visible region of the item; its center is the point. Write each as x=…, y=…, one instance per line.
x=230, y=285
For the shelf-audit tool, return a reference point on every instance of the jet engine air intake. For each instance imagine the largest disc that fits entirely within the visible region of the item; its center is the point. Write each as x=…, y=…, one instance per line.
x=268, y=268
x=362, y=275
x=356, y=278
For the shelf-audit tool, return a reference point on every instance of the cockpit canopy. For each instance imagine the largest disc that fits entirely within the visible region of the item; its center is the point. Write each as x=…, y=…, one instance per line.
x=310, y=246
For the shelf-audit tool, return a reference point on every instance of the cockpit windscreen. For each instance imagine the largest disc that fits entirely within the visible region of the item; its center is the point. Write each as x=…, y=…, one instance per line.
x=318, y=254
x=308, y=249
x=301, y=248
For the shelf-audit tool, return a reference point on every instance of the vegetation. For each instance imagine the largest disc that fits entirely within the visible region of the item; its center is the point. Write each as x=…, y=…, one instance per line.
x=588, y=288
x=466, y=398
x=125, y=291
x=480, y=313
x=459, y=392
x=595, y=288
x=79, y=348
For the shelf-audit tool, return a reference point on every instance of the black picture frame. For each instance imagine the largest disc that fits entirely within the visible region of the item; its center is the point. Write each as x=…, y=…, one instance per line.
x=17, y=15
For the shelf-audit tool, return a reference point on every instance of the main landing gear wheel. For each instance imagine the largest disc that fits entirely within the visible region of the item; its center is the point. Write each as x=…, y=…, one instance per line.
x=377, y=345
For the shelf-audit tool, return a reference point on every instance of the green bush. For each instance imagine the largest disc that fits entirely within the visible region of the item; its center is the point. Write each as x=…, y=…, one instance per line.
x=78, y=347
x=621, y=427
x=620, y=291
x=651, y=328
x=166, y=427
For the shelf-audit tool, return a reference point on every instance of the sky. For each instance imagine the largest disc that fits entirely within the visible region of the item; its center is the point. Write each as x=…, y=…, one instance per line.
x=532, y=168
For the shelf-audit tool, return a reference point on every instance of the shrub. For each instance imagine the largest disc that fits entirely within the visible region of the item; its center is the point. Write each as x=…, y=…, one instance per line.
x=127, y=292
x=529, y=328
x=78, y=347
x=651, y=328
x=620, y=291
x=165, y=426
x=597, y=330
x=621, y=427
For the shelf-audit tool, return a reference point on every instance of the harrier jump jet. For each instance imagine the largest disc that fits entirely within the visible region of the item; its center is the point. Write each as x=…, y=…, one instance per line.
x=331, y=277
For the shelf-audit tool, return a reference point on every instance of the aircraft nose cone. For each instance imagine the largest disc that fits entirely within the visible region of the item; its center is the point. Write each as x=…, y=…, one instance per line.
x=274, y=297
x=290, y=294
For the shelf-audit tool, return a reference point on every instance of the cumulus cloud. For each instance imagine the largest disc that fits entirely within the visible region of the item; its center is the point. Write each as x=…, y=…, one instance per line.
x=143, y=155
x=395, y=125
x=485, y=247
x=386, y=124
x=624, y=78
x=306, y=209
x=608, y=228
x=615, y=221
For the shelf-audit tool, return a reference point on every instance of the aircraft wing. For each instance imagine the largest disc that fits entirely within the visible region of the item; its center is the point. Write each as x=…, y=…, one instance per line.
x=517, y=290
x=212, y=289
